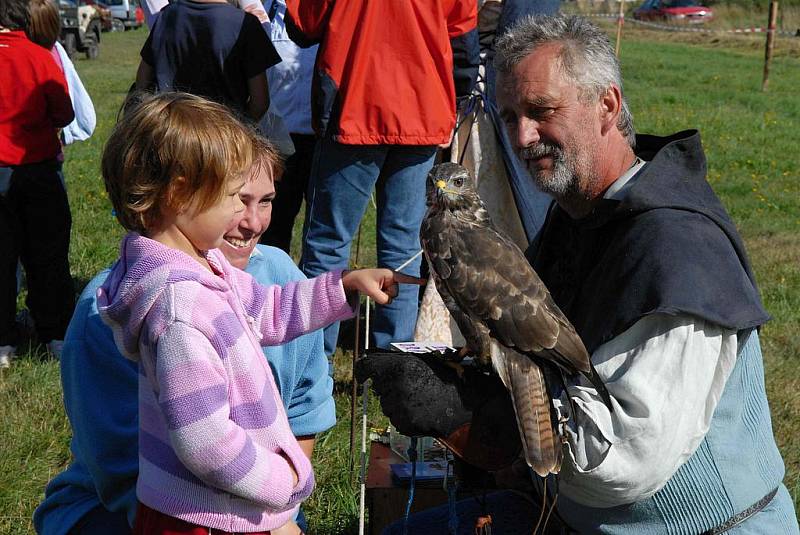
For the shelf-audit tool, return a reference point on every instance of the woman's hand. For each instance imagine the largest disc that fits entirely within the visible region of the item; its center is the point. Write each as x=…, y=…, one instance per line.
x=379, y=284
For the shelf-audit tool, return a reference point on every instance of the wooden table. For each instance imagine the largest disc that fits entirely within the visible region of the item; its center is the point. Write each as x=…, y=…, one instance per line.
x=386, y=500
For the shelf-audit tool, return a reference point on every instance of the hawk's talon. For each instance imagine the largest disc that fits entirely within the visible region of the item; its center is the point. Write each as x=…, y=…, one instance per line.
x=457, y=367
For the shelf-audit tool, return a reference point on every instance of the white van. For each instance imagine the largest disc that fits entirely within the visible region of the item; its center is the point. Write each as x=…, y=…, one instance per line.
x=125, y=14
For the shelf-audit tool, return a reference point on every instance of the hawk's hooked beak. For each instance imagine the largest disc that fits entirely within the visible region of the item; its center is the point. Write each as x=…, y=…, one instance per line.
x=441, y=185
x=442, y=191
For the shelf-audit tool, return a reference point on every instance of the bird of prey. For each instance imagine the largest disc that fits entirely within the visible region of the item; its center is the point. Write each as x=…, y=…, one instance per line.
x=503, y=309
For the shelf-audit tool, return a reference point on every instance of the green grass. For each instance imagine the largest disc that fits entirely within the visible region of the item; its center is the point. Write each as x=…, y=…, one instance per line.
x=751, y=140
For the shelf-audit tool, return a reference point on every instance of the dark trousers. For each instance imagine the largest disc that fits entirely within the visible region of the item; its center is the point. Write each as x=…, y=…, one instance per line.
x=290, y=192
x=152, y=522
x=35, y=224
x=101, y=521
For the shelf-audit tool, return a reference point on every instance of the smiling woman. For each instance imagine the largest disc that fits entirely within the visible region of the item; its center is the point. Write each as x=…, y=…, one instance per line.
x=257, y=196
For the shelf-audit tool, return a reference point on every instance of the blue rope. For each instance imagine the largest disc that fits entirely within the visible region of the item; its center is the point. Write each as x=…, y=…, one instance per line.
x=412, y=456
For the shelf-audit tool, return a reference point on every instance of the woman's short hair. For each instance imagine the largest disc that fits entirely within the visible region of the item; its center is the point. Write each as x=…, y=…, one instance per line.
x=268, y=158
x=45, y=23
x=173, y=149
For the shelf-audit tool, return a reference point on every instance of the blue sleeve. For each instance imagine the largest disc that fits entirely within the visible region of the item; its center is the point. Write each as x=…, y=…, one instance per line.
x=311, y=409
x=466, y=59
x=300, y=366
x=101, y=401
x=261, y=53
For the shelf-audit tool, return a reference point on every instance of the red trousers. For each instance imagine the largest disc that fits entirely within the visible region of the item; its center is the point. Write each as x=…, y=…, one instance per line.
x=152, y=522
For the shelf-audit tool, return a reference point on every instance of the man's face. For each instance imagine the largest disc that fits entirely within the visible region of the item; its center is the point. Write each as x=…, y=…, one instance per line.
x=554, y=132
x=256, y=195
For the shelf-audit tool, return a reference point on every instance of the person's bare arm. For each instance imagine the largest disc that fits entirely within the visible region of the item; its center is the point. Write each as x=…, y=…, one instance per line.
x=259, y=96
x=307, y=444
x=289, y=528
x=145, y=77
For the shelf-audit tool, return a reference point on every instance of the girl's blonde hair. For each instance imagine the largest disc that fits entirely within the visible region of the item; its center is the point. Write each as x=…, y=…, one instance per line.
x=173, y=150
x=44, y=26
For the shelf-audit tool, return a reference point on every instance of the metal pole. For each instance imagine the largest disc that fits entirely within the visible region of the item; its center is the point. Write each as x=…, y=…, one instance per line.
x=620, y=21
x=356, y=349
x=362, y=487
x=773, y=16
x=354, y=386
x=364, y=404
x=362, y=478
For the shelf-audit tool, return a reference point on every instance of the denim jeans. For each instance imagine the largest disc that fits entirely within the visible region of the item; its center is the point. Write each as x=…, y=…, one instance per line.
x=342, y=179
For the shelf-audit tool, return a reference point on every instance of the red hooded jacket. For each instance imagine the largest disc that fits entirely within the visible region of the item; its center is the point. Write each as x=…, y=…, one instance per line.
x=385, y=71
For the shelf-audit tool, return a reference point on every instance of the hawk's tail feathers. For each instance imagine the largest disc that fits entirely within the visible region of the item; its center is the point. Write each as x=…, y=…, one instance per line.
x=526, y=384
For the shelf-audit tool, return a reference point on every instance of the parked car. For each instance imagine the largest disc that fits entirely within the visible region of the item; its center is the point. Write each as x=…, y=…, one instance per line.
x=675, y=11
x=127, y=14
x=80, y=28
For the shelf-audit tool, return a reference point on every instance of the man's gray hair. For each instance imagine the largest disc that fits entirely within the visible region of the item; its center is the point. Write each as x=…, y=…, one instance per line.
x=586, y=56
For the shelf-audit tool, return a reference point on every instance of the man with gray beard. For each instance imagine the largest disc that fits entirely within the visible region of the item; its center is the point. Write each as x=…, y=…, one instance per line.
x=643, y=259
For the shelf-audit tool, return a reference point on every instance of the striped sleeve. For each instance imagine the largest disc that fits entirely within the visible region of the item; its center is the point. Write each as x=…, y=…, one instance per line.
x=282, y=313
x=193, y=397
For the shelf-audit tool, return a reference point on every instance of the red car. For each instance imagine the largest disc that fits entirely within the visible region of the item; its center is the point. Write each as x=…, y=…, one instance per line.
x=674, y=11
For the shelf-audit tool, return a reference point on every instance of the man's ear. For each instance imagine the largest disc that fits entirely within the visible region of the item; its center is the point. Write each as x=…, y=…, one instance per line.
x=610, y=108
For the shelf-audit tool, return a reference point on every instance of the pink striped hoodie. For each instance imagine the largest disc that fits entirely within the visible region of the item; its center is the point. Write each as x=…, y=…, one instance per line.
x=213, y=435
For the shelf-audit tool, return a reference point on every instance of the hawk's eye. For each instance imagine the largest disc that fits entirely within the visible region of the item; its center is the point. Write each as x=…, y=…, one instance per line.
x=458, y=182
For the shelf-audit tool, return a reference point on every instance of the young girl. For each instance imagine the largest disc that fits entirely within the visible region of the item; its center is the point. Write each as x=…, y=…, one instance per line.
x=215, y=448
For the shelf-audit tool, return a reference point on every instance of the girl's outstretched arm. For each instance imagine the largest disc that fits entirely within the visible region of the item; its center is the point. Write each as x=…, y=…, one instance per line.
x=283, y=313
x=279, y=314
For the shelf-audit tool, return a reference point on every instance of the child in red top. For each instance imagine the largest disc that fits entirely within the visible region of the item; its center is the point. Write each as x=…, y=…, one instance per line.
x=34, y=213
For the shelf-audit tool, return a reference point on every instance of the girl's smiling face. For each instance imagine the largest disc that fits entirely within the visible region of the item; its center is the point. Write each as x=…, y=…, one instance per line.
x=205, y=229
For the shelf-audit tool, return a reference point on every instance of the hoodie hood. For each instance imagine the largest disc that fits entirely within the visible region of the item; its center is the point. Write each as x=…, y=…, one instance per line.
x=138, y=279
x=674, y=177
x=667, y=247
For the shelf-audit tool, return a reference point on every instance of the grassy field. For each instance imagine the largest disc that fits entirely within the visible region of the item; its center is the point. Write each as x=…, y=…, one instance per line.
x=728, y=15
x=751, y=140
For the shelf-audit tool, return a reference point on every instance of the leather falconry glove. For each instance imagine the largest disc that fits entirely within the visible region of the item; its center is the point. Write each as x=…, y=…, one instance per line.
x=424, y=396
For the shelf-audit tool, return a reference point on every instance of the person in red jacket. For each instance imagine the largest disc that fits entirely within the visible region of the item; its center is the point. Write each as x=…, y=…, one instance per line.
x=35, y=219
x=383, y=98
